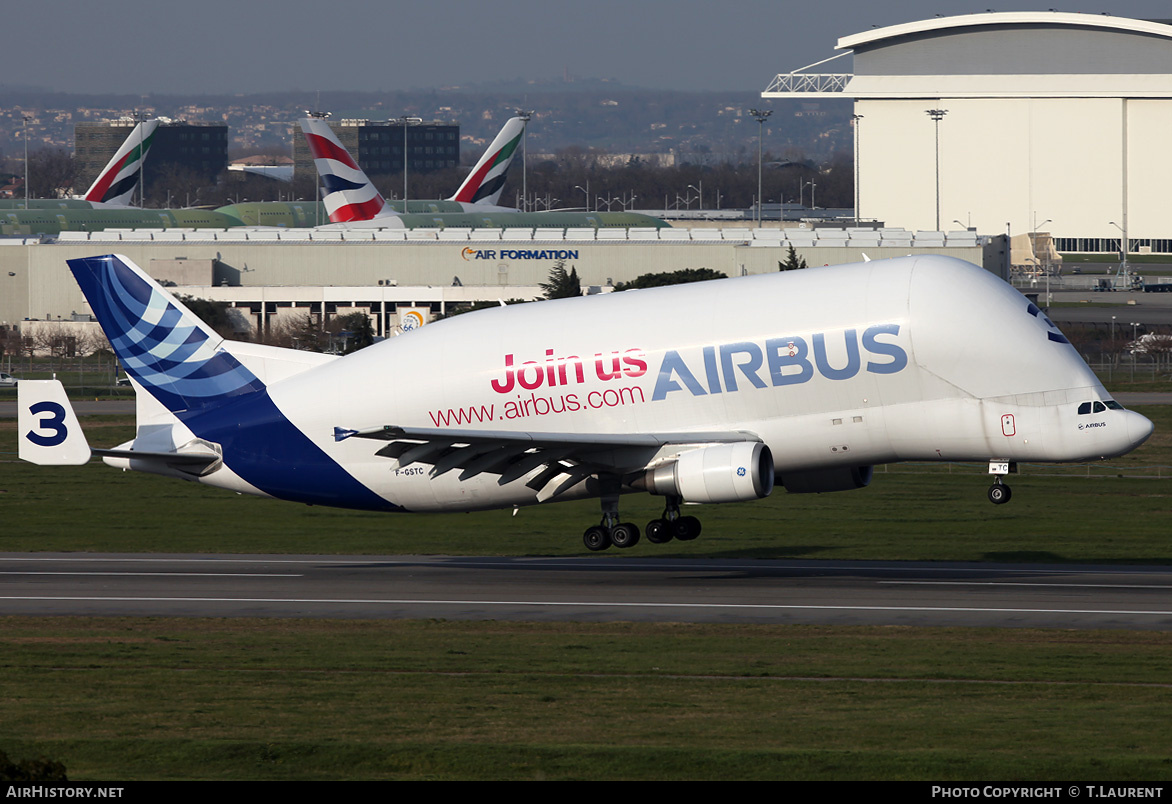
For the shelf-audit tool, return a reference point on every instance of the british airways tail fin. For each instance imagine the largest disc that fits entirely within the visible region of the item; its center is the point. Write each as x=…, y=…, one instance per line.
x=168, y=351
x=350, y=195
x=487, y=179
x=115, y=185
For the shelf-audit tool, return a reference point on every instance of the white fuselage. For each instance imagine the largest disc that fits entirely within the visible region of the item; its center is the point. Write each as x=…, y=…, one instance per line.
x=921, y=359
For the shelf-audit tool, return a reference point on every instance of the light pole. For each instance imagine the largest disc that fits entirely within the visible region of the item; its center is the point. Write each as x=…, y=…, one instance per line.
x=525, y=116
x=937, y=115
x=405, y=121
x=858, y=195
x=586, y=192
x=318, y=205
x=1134, y=326
x=812, y=187
x=760, y=116
x=1124, y=247
x=24, y=136
x=700, y=191
x=1114, y=354
x=138, y=121
x=1044, y=264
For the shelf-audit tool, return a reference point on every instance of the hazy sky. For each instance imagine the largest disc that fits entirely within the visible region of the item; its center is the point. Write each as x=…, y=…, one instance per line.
x=226, y=46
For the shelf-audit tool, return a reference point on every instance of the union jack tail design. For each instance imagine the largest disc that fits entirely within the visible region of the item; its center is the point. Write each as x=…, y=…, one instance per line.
x=115, y=184
x=487, y=179
x=350, y=195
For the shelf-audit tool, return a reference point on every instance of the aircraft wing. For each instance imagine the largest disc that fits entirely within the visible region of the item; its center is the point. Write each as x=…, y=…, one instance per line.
x=564, y=459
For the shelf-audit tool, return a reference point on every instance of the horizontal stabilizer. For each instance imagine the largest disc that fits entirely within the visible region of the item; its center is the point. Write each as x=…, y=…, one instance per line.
x=197, y=458
x=50, y=434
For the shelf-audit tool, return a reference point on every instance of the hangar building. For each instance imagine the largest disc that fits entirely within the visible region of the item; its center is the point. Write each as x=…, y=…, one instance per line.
x=1031, y=121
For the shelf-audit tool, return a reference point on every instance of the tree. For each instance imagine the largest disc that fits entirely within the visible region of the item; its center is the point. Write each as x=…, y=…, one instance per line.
x=56, y=340
x=562, y=285
x=454, y=310
x=681, y=277
x=51, y=173
x=359, y=327
x=792, y=261
x=213, y=313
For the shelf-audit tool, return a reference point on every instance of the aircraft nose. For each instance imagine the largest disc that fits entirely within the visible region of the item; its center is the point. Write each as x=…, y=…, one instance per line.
x=1139, y=428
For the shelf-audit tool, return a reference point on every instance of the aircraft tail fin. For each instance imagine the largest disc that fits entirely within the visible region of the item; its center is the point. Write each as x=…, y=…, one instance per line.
x=50, y=434
x=350, y=195
x=487, y=179
x=115, y=185
x=168, y=351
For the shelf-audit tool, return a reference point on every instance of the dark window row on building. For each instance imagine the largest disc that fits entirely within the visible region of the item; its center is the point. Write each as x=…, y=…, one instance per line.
x=1109, y=245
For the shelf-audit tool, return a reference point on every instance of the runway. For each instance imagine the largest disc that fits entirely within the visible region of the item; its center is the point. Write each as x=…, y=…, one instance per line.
x=590, y=588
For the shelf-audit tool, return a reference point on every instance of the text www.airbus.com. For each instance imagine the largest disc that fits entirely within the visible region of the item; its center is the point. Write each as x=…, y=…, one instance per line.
x=703, y=371
x=525, y=406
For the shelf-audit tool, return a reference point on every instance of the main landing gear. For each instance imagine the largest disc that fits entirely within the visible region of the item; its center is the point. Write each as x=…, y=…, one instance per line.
x=672, y=526
x=626, y=534
x=999, y=493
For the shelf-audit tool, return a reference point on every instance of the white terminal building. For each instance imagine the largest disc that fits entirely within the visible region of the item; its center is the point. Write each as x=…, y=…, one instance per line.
x=1020, y=121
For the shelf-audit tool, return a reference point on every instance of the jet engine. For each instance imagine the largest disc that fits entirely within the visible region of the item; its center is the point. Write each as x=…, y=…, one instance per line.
x=717, y=474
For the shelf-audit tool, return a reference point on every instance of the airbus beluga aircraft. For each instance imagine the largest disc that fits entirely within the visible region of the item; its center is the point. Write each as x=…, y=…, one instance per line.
x=704, y=393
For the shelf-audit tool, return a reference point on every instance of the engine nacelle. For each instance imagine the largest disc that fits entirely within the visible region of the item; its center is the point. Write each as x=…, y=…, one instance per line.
x=717, y=474
x=838, y=478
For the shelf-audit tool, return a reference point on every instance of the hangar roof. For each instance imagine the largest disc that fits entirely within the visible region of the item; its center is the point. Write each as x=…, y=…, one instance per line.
x=1008, y=54
x=1009, y=18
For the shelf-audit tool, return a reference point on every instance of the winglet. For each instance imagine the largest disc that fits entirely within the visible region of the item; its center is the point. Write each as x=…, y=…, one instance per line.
x=115, y=185
x=50, y=434
x=350, y=195
x=487, y=179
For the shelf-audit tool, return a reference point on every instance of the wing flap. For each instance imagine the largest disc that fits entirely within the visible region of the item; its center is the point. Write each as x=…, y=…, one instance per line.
x=553, y=462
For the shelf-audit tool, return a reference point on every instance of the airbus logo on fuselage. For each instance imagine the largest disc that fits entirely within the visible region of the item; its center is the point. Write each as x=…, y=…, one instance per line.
x=724, y=368
x=779, y=361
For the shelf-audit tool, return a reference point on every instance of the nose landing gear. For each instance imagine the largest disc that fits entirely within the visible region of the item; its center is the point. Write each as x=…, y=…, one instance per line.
x=999, y=493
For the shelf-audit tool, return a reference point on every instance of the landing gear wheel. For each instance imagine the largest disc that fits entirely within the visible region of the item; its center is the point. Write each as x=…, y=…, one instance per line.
x=624, y=535
x=686, y=528
x=999, y=494
x=596, y=538
x=658, y=531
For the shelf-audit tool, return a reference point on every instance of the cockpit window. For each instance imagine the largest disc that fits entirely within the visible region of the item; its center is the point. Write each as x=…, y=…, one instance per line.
x=1084, y=408
x=1111, y=403
x=1099, y=407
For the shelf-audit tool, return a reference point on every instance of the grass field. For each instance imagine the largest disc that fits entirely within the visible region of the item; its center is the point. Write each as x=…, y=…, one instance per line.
x=237, y=699
x=909, y=512
x=157, y=698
